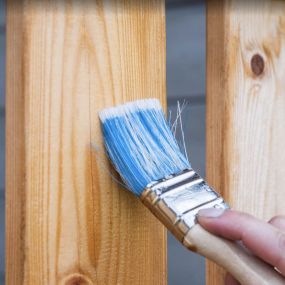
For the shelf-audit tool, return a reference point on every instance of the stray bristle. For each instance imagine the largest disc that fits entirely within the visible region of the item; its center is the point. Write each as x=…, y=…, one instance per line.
x=140, y=143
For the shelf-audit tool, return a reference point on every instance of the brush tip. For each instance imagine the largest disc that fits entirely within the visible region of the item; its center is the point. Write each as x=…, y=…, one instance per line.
x=127, y=108
x=140, y=143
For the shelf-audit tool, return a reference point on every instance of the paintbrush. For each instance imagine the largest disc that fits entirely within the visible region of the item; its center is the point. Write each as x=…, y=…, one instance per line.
x=147, y=156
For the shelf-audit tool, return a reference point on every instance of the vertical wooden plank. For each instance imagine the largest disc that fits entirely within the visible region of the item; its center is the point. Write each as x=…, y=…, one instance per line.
x=15, y=147
x=246, y=107
x=67, y=222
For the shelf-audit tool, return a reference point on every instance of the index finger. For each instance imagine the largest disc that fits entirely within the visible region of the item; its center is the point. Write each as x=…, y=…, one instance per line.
x=263, y=239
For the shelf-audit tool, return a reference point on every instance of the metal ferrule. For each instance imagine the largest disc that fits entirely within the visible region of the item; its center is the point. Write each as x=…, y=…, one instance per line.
x=176, y=200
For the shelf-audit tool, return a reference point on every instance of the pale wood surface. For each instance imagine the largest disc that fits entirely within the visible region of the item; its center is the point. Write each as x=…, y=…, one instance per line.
x=246, y=107
x=66, y=220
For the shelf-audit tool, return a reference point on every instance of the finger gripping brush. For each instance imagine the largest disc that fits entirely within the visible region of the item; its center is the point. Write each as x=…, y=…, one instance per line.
x=144, y=151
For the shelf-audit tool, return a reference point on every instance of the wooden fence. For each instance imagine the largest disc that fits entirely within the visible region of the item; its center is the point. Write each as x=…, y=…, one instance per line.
x=66, y=221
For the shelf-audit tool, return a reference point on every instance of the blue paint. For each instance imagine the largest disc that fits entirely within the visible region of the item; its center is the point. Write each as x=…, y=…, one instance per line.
x=140, y=143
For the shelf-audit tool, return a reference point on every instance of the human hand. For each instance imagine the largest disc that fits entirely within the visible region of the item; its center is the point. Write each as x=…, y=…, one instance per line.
x=265, y=240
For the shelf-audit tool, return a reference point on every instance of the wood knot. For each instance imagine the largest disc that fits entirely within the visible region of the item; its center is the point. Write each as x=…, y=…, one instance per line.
x=76, y=279
x=257, y=64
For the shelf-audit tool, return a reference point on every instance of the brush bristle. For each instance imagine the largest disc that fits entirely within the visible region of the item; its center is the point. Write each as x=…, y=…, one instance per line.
x=140, y=143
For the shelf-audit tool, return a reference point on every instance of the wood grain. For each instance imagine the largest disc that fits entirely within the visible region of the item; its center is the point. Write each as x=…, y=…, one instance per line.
x=246, y=107
x=67, y=221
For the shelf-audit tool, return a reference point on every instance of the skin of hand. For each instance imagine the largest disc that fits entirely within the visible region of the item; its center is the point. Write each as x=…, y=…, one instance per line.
x=239, y=226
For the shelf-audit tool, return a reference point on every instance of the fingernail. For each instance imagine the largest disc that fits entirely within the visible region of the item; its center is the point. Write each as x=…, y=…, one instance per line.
x=210, y=213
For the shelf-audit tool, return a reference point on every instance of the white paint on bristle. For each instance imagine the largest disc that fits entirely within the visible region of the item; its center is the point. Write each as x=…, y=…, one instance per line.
x=129, y=107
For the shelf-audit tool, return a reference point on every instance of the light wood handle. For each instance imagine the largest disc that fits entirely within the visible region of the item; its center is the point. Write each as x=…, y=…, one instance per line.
x=246, y=268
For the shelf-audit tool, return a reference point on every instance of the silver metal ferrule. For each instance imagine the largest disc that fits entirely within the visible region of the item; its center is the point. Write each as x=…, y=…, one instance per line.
x=176, y=200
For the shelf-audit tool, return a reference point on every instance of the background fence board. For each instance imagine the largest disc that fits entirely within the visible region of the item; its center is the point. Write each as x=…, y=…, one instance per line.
x=246, y=107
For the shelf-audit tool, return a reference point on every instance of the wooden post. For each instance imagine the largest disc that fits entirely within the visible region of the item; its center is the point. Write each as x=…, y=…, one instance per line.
x=66, y=220
x=246, y=107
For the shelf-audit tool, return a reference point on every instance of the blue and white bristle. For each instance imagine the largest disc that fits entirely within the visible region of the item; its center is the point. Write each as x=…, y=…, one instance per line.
x=140, y=143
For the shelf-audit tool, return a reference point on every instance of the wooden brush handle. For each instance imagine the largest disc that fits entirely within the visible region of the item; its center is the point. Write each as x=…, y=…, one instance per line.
x=246, y=268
